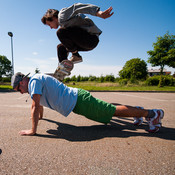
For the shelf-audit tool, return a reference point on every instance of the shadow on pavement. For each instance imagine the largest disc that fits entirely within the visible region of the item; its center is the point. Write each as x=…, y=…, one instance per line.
x=117, y=128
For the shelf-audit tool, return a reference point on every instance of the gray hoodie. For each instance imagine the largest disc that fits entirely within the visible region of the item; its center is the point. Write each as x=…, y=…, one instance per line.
x=73, y=16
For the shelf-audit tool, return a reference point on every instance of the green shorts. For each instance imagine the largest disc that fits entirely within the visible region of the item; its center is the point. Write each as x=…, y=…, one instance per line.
x=93, y=108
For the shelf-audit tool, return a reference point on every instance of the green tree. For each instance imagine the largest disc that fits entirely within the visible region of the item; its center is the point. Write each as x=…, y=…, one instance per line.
x=163, y=52
x=102, y=78
x=109, y=78
x=5, y=67
x=73, y=78
x=92, y=78
x=134, y=69
x=78, y=78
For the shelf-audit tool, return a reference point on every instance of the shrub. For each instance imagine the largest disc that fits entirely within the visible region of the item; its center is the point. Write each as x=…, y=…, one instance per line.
x=152, y=81
x=73, y=78
x=78, y=78
x=117, y=79
x=109, y=78
x=92, y=78
x=102, y=79
x=67, y=80
x=133, y=80
x=167, y=80
x=84, y=79
x=5, y=79
x=123, y=82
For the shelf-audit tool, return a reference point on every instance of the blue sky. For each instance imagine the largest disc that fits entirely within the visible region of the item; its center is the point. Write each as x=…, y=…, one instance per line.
x=128, y=34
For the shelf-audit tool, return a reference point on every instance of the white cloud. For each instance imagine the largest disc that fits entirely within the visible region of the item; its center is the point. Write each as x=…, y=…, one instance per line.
x=53, y=58
x=35, y=53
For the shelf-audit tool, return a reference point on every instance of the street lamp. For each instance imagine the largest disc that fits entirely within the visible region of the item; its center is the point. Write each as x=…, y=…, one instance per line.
x=11, y=35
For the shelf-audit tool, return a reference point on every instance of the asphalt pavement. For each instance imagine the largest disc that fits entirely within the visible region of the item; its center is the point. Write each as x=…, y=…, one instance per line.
x=78, y=146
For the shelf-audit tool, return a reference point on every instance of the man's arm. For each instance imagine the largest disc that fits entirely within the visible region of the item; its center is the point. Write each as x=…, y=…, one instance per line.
x=41, y=110
x=67, y=13
x=105, y=14
x=35, y=113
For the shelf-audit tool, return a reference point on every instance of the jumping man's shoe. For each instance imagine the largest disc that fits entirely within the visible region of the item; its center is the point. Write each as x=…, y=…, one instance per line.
x=76, y=59
x=155, y=122
x=138, y=121
x=63, y=69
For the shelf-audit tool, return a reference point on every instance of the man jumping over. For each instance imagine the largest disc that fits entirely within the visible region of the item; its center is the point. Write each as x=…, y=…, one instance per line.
x=76, y=31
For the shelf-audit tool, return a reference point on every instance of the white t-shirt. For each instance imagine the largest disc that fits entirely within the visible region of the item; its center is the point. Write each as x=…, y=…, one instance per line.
x=54, y=94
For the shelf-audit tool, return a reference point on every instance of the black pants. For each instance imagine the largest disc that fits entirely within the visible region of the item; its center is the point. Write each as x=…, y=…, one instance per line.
x=74, y=39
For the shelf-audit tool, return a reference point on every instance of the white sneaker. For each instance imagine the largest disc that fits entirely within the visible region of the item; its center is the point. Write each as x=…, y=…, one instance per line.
x=155, y=122
x=65, y=67
x=138, y=121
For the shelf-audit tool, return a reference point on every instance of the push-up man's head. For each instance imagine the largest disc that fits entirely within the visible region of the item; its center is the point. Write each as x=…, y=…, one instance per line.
x=19, y=82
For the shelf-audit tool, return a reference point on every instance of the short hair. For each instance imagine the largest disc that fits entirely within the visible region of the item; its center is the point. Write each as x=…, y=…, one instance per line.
x=49, y=15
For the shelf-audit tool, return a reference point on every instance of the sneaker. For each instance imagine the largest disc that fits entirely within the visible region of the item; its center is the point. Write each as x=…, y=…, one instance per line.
x=138, y=121
x=64, y=72
x=75, y=59
x=155, y=122
x=65, y=67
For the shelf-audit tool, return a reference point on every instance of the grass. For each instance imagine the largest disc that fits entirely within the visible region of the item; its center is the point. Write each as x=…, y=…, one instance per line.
x=96, y=86
x=5, y=87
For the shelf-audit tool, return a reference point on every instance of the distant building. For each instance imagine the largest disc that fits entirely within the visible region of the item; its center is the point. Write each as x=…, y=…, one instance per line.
x=152, y=72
